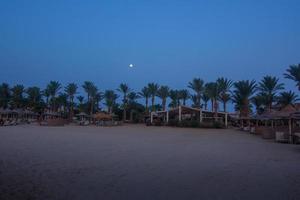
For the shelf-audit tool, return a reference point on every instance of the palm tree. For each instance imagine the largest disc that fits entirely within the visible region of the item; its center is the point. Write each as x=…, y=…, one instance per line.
x=163, y=93
x=293, y=73
x=4, y=95
x=87, y=86
x=71, y=90
x=153, y=88
x=91, y=90
x=287, y=98
x=205, y=98
x=132, y=97
x=46, y=93
x=98, y=98
x=174, y=96
x=268, y=87
x=224, y=85
x=145, y=94
x=259, y=101
x=80, y=106
x=93, y=98
x=124, y=88
x=53, y=88
x=34, y=97
x=197, y=85
x=62, y=101
x=194, y=101
x=213, y=92
x=110, y=100
x=17, y=99
x=184, y=95
x=242, y=94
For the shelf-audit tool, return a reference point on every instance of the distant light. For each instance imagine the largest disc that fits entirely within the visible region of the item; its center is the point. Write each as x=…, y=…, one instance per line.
x=131, y=65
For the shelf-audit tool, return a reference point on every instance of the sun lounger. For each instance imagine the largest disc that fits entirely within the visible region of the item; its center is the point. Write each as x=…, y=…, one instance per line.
x=6, y=123
x=281, y=136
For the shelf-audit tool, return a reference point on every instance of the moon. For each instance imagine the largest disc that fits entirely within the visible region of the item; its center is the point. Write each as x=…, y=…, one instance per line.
x=130, y=65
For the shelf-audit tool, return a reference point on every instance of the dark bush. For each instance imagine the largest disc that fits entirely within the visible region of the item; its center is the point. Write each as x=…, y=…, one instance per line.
x=173, y=122
x=218, y=124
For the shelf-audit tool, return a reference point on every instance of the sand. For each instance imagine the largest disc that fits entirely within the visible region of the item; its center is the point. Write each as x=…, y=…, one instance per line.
x=138, y=162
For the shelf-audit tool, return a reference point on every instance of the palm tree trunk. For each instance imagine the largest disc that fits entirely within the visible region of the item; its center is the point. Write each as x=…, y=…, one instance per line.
x=152, y=102
x=147, y=109
x=131, y=115
x=199, y=100
x=164, y=104
x=216, y=109
x=92, y=107
x=71, y=108
x=224, y=106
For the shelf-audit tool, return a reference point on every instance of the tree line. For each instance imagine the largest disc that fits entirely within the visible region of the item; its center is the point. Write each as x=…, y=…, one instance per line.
x=246, y=95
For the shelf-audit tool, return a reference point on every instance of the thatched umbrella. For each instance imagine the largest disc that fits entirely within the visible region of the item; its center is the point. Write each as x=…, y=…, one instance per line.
x=82, y=115
x=102, y=117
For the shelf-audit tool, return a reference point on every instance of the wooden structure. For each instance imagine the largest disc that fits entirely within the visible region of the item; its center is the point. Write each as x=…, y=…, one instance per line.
x=280, y=124
x=185, y=112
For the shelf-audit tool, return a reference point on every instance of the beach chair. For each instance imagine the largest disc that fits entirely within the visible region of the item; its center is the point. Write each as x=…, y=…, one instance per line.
x=13, y=123
x=6, y=123
x=281, y=136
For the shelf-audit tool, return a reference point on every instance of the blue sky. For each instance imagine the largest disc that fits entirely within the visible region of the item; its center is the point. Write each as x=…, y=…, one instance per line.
x=169, y=42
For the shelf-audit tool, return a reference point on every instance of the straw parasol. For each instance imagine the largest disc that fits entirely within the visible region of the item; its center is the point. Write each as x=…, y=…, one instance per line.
x=102, y=116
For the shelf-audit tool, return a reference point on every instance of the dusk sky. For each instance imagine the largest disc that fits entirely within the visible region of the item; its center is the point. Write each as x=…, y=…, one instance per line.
x=169, y=42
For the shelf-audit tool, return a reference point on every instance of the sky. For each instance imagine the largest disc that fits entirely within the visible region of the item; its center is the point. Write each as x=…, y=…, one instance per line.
x=169, y=42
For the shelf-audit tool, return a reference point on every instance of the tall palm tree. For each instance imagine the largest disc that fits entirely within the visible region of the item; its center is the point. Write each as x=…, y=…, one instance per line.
x=184, y=95
x=93, y=98
x=163, y=93
x=87, y=86
x=91, y=91
x=197, y=85
x=145, y=94
x=174, y=96
x=132, y=97
x=17, y=99
x=4, y=95
x=153, y=88
x=259, y=101
x=46, y=93
x=98, y=98
x=194, y=99
x=53, y=88
x=124, y=88
x=205, y=99
x=110, y=100
x=213, y=91
x=293, y=73
x=71, y=90
x=80, y=106
x=224, y=85
x=34, y=97
x=287, y=98
x=269, y=86
x=62, y=102
x=243, y=91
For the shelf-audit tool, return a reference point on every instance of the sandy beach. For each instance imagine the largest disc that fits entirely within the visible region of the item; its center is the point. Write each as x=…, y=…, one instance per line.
x=138, y=162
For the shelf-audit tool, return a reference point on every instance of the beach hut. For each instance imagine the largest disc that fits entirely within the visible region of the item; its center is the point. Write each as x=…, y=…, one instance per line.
x=279, y=125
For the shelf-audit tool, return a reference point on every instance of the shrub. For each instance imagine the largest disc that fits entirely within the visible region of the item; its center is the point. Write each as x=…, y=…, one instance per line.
x=218, y=124
x=173, y=122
